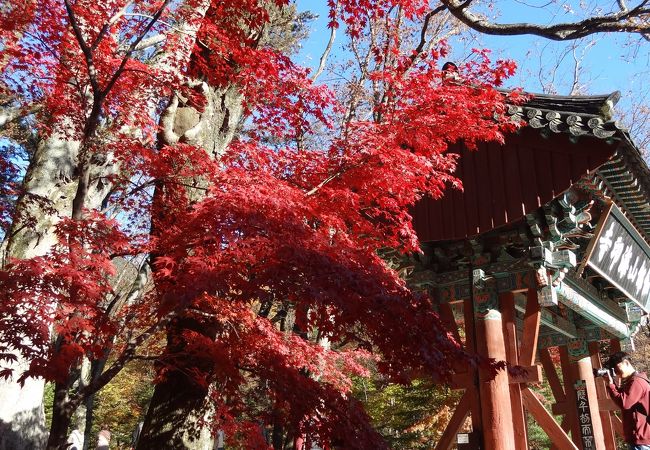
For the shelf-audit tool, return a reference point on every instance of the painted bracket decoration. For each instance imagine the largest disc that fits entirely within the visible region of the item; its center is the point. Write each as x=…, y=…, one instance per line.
x=486, y=297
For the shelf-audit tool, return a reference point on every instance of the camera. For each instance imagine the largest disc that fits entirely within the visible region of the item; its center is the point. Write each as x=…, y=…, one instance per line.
x=602, y=372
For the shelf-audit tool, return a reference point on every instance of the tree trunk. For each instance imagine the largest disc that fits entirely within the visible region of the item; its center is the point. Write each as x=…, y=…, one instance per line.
x=178, y=403
x=61, y=419
x=52, y=177
x=22, y=420
x=96, y=369
x=277, y=437
x=173, y=418
x=50, y=186
x=89, y=419
x=176, y=399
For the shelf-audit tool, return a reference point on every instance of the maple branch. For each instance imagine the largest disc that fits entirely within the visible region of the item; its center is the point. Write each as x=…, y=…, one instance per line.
x=150, y=42
x=83, y=166
x=328, y=48
x=9, y=115
x=85, y=49
x=621, y=22
x=136, y=290
x=140, y=187
x=127, y=355
x=324, y=182
x=155, y=358
x=134, y=45
x=147, y=16
x=423, y=32
x=332, y=177
x=363, y=68
x=576, y=74
x=107, y=25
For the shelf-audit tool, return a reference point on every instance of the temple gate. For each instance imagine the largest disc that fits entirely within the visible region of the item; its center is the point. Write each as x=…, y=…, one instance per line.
x=543, y=257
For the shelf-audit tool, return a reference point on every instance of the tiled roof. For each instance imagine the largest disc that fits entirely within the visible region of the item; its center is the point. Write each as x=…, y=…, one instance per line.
x=576, y=115
x=625, y=177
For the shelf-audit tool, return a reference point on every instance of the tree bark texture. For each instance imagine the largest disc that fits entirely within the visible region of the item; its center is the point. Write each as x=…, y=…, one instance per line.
x=61, y=419
x=49, y=187
x=178, y=403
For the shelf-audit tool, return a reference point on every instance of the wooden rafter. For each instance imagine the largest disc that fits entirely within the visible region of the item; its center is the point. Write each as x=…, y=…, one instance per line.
x=617, y=424
x=507, y=307
x=564, y=425
x=448, y=320
x=551, y=375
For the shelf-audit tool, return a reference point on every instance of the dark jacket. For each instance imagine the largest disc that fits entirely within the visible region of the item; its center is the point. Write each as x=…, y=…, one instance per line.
x=633, y=397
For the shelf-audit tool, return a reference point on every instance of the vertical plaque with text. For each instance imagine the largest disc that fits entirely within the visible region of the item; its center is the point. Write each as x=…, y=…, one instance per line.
x=584, y=415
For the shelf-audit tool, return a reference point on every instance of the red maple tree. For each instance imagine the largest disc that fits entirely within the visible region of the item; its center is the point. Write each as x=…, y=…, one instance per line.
x=266, y=221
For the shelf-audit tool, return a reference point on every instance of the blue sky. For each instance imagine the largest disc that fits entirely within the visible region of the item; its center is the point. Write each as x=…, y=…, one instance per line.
x=609, y=62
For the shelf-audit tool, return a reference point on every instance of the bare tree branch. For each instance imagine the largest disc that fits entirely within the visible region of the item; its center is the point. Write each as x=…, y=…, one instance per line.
x=634, y=21
x=423, y=32
x=134, y=46
x=622, y=4
x=9, y=115
x=328, y=48
x=85, y=49
x=108, y=25
x=150, y=42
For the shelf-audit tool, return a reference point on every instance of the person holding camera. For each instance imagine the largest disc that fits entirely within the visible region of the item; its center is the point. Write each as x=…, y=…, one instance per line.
x=633, y=397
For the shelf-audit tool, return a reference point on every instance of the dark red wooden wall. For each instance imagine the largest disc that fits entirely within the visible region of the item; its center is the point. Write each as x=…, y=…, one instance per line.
x=502, y=183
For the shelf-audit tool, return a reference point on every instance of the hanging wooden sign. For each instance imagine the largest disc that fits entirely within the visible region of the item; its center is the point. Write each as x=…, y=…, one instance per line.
x=619, y=254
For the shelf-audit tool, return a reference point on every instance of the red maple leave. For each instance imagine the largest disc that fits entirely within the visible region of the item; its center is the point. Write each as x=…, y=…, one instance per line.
x=279, y=222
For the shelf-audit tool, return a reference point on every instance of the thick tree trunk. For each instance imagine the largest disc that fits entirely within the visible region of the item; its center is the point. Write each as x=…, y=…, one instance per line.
x=22, y=421
x=173, y=419
x=178, y=403
x=62, y=415
x=50, y=186
x=173, y=408
x=52, y=176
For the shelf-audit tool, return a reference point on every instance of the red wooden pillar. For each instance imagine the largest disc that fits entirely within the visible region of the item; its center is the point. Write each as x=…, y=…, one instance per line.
x=496, y=413
x=585, y=372
x=507, y=307
x=576, y=365
x=498, y=430
x=470, y=346
x=570, y=412
x=601, y=390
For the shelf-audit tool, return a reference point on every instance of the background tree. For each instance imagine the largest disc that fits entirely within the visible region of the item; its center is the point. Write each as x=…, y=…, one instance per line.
x=216, y=255
x=408, y=416
x=181, y=135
